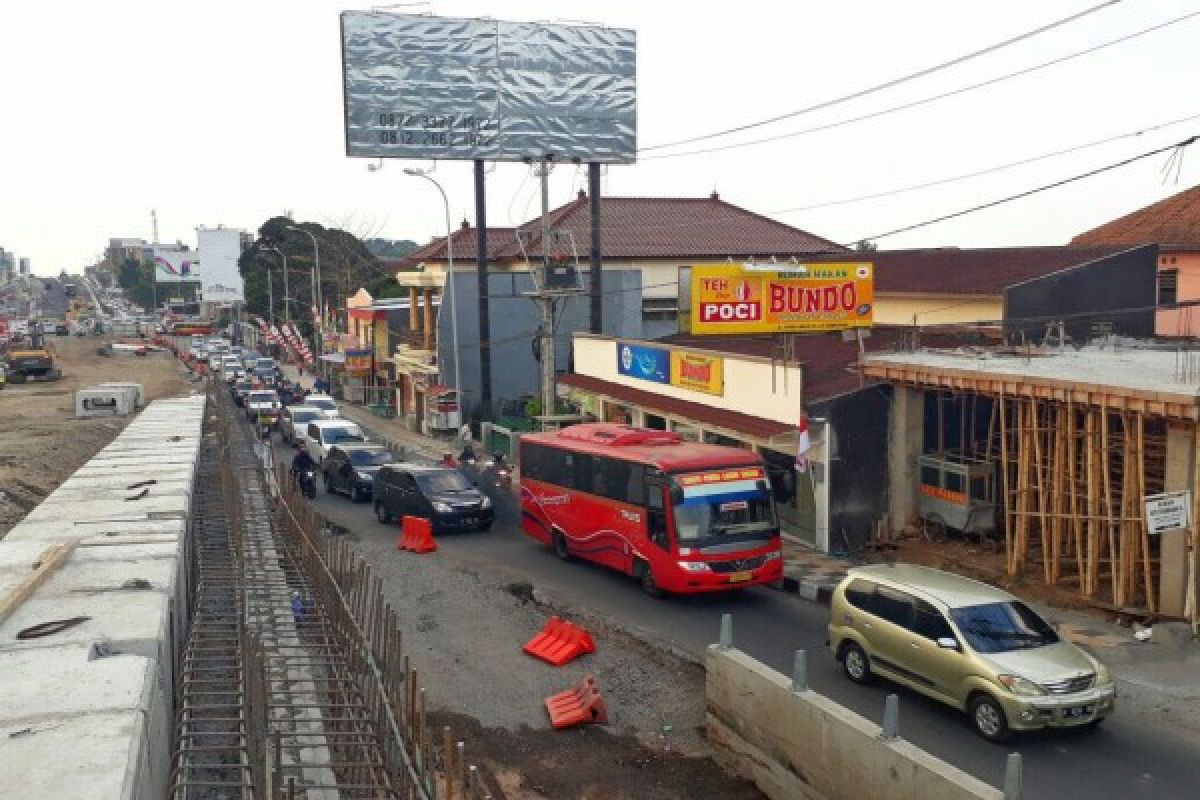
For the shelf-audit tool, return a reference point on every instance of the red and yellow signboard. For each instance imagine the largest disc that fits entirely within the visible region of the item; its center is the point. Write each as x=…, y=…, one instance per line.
x=697, y=372
x=358, y=362
x=723, y=476
x=794, y=298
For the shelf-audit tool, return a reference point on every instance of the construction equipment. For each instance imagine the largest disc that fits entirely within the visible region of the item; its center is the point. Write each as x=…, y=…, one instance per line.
x=32, y=363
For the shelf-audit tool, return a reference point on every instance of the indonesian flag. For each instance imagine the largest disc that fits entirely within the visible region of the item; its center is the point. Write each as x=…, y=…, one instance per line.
x=803, y=445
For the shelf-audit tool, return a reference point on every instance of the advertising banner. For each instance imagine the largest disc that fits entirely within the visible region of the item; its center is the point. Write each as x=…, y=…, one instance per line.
x=793, y=298
x=644, y=363
x=358, y=362
x=173, y=265
x=697, y=372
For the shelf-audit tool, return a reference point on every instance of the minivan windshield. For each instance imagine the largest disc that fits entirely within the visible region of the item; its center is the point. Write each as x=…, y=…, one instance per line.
x=322, y=403
x=336, y=435
x=1001, y=627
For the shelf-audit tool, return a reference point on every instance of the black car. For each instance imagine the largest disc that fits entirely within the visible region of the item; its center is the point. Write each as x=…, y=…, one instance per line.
x=441, y=494
x=351, y=468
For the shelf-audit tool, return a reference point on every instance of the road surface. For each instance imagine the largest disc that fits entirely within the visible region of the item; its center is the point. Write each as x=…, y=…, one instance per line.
x=1127, y=757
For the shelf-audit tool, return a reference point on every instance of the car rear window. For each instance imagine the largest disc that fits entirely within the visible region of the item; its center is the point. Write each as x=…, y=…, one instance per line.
x=304, y=416
x=263, y=397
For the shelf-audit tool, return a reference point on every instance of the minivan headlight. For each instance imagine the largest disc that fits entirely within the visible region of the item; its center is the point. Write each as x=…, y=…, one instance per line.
x=1020, y=686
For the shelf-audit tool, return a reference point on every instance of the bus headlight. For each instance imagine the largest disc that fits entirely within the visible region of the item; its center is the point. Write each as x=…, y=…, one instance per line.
x=774, y=555
x=693, y=566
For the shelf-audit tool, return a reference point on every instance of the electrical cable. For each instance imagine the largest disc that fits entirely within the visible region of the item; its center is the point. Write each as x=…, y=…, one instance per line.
x=930, y=99
x=987, y=171
x=1177, y=146
x=891, y=83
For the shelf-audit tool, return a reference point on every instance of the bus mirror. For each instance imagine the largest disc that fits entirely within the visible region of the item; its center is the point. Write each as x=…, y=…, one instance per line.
x=676, y=494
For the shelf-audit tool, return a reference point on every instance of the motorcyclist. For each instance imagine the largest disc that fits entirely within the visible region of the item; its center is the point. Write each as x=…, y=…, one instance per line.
x=301, y=462
x=448, y=461
x=467, y=455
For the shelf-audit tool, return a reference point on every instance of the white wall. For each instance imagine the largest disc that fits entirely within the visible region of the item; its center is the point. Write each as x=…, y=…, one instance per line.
x=748, y=381
x=219, y=251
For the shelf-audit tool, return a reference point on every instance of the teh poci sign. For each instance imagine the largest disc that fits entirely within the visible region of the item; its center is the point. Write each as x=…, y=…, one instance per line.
x=795, y=298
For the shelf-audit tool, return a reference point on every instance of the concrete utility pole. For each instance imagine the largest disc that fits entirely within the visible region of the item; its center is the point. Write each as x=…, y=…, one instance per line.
x=318, y=316
x=270, y=299
x=546, y=300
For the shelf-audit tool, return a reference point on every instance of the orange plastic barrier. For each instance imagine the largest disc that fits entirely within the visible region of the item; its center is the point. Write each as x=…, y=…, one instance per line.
x=560, y=642
x=577, y=706
x=416, y=535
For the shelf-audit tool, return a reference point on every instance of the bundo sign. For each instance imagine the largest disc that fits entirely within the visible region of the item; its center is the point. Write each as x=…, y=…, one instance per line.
x=797, y=298
x=418, y=86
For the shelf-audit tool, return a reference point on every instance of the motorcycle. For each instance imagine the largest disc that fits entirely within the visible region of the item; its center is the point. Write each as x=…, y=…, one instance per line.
x=307, y=480
x=497, y=472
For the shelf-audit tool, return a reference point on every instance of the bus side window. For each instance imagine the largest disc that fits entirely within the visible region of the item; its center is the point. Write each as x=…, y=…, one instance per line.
x=656, y=514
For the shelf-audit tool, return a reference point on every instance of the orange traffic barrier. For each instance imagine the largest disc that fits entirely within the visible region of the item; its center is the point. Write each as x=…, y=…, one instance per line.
x=416, y=535
x=559, y=642
x=577, y=706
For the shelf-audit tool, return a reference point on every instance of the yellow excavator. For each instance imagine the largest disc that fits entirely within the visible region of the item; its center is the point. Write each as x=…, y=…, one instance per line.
x=32, y=363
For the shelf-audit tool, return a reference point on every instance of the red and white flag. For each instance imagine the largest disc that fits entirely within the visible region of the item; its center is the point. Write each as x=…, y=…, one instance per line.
x=803, y=445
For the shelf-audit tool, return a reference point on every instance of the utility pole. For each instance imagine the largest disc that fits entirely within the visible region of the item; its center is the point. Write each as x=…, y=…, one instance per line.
x=270, y=299
x=154, y=224
x=485, y=323
x=546, y=300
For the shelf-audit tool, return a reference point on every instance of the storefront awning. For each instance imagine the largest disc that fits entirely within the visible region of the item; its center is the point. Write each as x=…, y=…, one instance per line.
x=746, y=424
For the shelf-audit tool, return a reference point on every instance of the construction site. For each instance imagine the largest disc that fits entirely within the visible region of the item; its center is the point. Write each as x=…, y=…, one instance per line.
x=1052, y=452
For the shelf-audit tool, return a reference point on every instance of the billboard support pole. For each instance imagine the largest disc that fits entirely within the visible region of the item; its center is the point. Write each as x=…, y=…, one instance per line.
x=597, y=266
x=546, y=300
x=485, y=324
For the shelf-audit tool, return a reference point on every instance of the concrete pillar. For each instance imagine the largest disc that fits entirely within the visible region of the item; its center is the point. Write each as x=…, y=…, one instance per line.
x=1181, y=461
x=427, y=328
x=414, y=321
x=906, y=436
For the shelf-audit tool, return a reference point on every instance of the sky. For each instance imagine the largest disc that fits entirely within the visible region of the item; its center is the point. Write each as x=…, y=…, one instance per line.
x=222, y=112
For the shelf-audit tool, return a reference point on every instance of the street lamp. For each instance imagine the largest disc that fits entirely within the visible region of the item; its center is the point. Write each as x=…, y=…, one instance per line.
x=317, y=300
x=416, y=173
x=287, y=315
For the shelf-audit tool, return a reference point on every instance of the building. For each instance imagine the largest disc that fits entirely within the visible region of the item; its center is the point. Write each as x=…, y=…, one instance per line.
x=1059, y=449
x=1174, y=225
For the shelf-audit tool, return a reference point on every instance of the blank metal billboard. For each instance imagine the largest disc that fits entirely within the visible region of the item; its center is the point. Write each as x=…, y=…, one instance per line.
x=421, y=87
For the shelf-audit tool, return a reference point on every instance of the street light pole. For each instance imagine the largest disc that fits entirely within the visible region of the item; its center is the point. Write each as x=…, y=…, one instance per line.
x=449, y=281
x=316, y=289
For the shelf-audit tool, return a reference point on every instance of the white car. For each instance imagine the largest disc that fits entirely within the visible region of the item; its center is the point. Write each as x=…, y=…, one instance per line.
x=294, y=420
x=327, y=405
x=321, y=435
x=263, y=401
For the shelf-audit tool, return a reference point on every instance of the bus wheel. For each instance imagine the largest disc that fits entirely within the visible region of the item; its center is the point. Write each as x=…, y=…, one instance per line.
x=646, y=575
x=560, y=547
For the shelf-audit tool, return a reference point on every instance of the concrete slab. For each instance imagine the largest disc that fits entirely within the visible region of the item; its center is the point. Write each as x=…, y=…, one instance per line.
x=102, y=507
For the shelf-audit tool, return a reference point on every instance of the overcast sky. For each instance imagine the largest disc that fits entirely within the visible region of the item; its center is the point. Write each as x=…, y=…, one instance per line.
x=222, y=112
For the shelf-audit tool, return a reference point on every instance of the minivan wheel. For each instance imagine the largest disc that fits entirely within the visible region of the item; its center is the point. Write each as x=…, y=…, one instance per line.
x=856, y=664
x=560, y=547
x=382, y=514
x=988, y=718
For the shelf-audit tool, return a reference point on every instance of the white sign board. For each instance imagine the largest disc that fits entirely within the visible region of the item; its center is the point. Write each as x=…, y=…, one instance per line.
x=1170, y=511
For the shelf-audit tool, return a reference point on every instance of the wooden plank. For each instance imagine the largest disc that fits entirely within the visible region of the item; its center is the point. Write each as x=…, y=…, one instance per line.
x=50, y=560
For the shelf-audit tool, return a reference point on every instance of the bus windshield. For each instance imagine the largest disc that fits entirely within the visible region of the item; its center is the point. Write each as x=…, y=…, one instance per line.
x=722, y=503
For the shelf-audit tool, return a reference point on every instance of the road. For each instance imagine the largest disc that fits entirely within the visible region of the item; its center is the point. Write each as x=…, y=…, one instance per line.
x=1127, y=757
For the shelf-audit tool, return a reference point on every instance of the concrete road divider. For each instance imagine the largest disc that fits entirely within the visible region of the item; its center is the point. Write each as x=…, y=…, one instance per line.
x=577, y=706
x=560, y=642
x=416, y=535
x=796, y=744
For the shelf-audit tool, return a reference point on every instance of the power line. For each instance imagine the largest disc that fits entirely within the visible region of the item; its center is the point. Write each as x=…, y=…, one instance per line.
x=1045, y=187
x=891, y=83
x=932, y=98
x=987, y=171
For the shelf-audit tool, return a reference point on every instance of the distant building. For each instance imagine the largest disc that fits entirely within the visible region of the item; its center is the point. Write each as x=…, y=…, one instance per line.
x=1174, y=225
x=24, y=266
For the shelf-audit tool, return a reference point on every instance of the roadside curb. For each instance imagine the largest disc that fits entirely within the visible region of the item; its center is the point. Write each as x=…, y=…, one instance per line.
x=812, y=591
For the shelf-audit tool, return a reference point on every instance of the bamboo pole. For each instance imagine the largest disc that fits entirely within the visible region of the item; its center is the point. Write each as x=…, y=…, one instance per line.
x=1040, y=482
x=1151, y=595
x=1073, y=460
x=1107, y=479
x=1004, y=498
x=1093, y=504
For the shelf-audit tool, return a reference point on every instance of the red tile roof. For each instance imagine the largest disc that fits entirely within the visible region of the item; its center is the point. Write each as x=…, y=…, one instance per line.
x=499, y=241
x=975, y=271
x=1173, y=221
x=650, y=227
x=719, y=418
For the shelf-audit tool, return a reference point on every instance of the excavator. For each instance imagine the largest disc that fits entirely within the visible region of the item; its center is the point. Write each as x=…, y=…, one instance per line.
x=34, y=362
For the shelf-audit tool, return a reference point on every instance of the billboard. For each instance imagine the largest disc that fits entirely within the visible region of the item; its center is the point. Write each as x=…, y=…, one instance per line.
x=220, y=279
x=418, y=86
x=793, y=298
x=644, y=363
x=174, y=264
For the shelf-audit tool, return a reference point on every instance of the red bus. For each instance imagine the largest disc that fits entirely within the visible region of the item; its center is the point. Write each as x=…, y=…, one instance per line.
x=679, y=516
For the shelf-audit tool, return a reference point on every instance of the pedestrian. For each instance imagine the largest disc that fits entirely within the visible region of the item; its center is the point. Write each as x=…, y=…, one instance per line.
x=464, y=434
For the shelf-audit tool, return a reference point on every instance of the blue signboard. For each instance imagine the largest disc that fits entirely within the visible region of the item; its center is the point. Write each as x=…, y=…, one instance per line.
x=644, y=363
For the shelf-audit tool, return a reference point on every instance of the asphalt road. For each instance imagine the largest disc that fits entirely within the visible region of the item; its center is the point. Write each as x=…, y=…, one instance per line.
x=1125, y=758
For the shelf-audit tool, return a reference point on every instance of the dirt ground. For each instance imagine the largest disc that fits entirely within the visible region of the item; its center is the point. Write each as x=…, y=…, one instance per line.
x=41, y=441
x=464, y=629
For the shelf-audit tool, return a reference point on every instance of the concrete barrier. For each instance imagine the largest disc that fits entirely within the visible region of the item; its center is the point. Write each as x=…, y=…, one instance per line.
x=803, y=746
x=103, y=402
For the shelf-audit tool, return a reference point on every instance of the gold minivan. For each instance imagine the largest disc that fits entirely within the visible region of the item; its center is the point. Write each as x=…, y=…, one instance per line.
x=968, y=645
